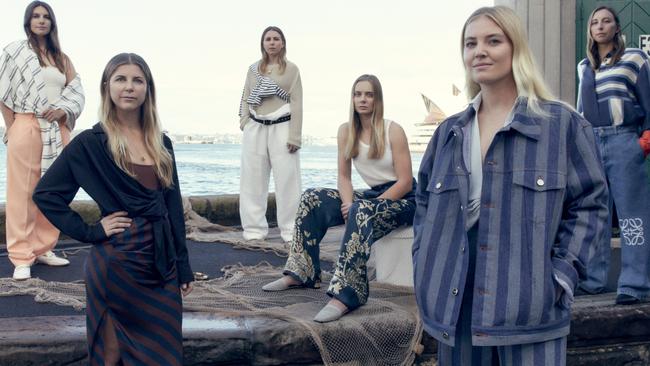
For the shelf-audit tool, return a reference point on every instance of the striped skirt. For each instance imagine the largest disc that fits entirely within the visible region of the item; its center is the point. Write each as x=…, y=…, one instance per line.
x=124, y=287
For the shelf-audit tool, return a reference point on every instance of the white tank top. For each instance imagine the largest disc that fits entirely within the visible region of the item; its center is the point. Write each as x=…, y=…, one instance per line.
x=376, y=171
x=54, y=83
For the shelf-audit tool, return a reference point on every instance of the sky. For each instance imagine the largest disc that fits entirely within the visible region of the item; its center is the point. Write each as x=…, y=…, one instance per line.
x=199, y=52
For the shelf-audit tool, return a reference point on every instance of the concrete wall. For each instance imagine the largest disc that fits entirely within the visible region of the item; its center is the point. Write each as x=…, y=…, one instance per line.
x=221, y=209
x=551, y=27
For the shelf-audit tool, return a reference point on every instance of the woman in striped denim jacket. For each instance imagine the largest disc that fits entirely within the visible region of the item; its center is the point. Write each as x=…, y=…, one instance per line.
x=614, y=96
x=511, y=198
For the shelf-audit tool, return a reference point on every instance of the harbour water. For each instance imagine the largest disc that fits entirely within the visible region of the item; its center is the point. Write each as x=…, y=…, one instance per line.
x=206, y=169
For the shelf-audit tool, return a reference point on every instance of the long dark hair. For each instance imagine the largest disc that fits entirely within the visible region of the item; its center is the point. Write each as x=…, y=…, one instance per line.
x=265, y=56
x=52, y=46
x=592, y=46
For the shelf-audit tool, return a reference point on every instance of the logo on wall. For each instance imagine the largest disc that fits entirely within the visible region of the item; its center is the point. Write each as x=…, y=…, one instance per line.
x=644, y=43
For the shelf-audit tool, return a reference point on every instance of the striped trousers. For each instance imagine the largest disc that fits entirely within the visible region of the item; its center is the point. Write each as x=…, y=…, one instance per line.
x=125, y=292
x=463, y=353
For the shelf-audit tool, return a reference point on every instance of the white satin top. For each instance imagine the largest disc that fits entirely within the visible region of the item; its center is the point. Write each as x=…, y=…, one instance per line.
x=376, y=171
x=54, y=83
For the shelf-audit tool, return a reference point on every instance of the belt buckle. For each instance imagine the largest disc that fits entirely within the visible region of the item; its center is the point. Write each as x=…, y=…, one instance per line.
x=267, y=122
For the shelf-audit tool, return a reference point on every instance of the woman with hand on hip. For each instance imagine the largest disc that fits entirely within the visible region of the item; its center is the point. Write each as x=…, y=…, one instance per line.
x=40, y=98
x=138, y=266
x=511, y=200
x=271, y=118
x=379, y=150
x=614, y=96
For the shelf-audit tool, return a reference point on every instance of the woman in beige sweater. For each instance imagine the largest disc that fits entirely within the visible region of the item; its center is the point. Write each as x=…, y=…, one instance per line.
x=271, y=119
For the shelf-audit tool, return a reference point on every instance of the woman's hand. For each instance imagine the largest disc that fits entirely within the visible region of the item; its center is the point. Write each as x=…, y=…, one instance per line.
x=115, y=223
x=292, y=148
x=345, y=208
x=186, y=288
x=52, y=115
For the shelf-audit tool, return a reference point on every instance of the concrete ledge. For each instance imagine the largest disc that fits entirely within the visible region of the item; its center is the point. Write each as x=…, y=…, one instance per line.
x=219, y=209
x=224, y=209
x=602, y=334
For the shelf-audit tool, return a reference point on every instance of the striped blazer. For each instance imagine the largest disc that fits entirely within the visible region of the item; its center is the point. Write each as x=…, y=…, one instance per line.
x=616, y=94
x=543, y=208
x=22, y=90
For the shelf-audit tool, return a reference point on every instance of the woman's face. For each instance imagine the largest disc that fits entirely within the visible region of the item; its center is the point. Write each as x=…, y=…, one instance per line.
x=41, y=23
x=364, y=98
x=603, y=27
x=487, y=52
x=128, y=88
x=273, y=43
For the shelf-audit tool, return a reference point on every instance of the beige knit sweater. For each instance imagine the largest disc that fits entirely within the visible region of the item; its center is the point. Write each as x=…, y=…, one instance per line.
x=290, y=82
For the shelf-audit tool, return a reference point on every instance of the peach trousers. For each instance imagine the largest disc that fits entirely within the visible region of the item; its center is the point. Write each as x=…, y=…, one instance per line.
x=29, y=233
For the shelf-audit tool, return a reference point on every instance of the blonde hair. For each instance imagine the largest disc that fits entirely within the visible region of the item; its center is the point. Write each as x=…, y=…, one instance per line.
x=528, y=79
x=592, y=46
x=149, y=122
x=377, y=134
x=282, y=57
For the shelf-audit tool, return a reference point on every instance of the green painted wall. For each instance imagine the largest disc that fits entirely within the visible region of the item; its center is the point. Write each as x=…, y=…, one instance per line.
x=634, y=16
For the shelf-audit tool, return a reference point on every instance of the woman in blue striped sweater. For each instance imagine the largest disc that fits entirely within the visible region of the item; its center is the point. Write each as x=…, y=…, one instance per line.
x=614, y=96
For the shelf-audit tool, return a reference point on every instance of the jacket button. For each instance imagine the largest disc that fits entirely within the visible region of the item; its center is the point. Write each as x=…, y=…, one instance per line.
x=454, y=292
x=445, y=335
x=540, y=181
x=462, y=249
x=438, y=185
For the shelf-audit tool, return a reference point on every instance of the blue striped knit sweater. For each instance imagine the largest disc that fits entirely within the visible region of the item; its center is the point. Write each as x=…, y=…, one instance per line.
x=618, y=94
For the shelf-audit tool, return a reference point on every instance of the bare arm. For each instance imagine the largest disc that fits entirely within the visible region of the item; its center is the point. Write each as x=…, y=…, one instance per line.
x=8, y=115
x=344, y=180
x=70, y=71
x=401, y=163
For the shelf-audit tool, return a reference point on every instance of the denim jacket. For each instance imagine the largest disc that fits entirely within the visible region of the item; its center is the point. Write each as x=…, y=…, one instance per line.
x=543, y=209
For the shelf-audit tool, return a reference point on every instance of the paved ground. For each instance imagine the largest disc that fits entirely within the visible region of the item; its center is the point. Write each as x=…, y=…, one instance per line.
x=208, y=258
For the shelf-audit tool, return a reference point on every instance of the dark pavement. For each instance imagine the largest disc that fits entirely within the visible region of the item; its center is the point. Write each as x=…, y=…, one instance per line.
x=208, y=258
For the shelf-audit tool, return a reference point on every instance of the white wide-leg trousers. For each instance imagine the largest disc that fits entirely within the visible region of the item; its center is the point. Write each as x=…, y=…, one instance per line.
x=264, y=149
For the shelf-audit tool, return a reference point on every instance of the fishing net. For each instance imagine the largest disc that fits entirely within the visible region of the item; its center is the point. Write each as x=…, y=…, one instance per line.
x=385, y=331
x=199, y=229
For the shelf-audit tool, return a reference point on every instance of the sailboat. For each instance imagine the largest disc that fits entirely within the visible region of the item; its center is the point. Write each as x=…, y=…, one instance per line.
x=435, y=116
x=424, y=130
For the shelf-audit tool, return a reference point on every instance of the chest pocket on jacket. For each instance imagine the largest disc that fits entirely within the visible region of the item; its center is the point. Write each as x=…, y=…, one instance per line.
x=542, y=193
x=444, y=198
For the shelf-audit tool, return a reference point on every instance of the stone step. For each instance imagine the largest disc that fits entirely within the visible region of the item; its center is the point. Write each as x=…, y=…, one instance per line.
x=601, y=334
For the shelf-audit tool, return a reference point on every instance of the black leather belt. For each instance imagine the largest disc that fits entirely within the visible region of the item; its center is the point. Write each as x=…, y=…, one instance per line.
x=268, y=122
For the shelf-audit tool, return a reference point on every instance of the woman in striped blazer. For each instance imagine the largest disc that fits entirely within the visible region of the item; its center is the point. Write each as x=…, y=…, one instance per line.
x=511, y=198
x=138, y=265
x=614, y=96
x=40, y=98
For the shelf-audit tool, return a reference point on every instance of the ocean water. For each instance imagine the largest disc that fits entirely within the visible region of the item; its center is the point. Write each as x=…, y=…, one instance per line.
x=214, y=169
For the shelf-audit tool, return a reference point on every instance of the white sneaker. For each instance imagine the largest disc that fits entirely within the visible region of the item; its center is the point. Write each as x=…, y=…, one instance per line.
x=253, y=236
x=51, y=259
x=22, y=272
